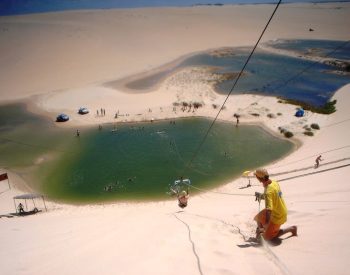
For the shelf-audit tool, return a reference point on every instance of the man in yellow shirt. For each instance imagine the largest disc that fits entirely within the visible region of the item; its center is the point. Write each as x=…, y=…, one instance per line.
x=271, y=218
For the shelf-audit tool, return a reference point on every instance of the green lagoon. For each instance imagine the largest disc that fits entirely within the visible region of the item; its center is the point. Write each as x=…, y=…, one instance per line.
x=137, y=161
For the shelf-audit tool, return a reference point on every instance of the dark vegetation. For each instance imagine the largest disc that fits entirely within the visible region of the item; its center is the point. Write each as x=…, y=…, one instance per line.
x=288, y=134
x=308, y=133
x=327, y=109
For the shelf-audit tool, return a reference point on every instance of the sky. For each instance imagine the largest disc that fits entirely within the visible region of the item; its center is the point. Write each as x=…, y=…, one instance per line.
x=12, y=7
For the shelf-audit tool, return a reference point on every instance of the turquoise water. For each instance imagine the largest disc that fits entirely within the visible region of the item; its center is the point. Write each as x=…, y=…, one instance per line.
x=25, y=138
x=271, y=74
x=138, y=161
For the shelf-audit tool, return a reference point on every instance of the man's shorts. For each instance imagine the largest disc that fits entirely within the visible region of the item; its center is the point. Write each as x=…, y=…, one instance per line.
x=272, y=230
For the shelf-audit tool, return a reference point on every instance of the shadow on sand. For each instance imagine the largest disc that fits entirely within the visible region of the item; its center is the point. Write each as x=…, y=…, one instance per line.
x=254, y=242
x=21, y=214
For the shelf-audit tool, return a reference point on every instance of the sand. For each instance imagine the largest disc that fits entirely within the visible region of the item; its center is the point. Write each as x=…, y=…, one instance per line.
x=57, y=62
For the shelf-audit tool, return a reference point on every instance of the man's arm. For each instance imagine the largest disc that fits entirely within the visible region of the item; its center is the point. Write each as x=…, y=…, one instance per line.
x=259, y=196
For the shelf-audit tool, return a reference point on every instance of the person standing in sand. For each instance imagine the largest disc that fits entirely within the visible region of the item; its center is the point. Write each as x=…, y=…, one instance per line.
x=317, y=161
x=237, y=119
x=20, y=208
x=271, y=218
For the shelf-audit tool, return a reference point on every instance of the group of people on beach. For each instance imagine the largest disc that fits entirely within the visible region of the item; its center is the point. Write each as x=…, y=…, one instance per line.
x=101, y=113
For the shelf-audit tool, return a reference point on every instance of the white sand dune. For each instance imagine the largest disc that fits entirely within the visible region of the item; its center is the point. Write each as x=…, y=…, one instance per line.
x=59, y=61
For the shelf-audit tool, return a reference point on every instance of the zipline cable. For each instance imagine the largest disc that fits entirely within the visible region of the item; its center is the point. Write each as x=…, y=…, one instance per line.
x=279, y=180
x=231, y=90
x=317, y=172
x=217, y=192
x=324, y=152
x=308, y=167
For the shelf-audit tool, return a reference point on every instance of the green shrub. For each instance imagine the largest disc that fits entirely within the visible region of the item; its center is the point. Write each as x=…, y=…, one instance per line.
x=282, y=130
x=288, y=134
x=279, y=114
x=315, y=126
x=308, y=133
x=255, y=114
x=327, y=108
x=197, y=105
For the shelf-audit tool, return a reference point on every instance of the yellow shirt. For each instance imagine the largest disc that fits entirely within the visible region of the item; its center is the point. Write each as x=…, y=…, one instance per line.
x=275, y=203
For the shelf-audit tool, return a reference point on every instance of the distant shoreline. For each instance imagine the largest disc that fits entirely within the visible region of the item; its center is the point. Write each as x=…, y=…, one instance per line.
x=36, y=7
x=150, y=80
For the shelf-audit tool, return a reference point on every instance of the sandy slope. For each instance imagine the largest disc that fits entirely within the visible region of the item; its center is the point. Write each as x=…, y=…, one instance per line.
x=61, y=59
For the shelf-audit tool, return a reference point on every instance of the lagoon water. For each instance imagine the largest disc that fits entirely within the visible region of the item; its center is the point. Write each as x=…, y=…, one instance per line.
x=323, y=48
x=271, y=74
x=26, y=139
x=138, y=161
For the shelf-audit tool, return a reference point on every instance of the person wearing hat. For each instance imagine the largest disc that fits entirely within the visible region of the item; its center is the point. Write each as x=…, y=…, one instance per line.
x=271, y=218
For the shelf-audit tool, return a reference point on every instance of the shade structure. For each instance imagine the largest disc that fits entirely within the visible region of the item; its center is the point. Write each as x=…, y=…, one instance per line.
x=26, y=197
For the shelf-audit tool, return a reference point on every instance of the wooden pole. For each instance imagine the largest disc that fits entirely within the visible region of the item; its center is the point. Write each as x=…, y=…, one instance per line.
x=14, y=201
x=44, y=202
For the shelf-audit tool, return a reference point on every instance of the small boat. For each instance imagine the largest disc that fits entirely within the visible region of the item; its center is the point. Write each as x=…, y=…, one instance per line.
x=62, y=118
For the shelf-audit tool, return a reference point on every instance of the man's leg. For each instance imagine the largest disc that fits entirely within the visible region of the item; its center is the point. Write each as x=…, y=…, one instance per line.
x=292, y=229
x=260, y=219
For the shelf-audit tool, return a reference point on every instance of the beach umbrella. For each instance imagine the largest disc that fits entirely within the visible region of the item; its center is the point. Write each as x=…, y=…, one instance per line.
x=245, y=173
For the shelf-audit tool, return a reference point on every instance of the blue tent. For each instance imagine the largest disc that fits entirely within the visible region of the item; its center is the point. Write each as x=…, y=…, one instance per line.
x=300, y=112
x=62, y=118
